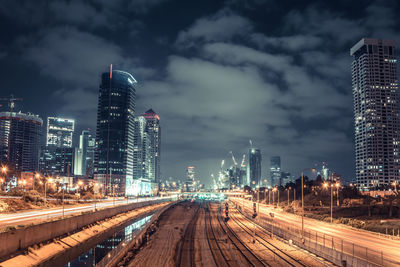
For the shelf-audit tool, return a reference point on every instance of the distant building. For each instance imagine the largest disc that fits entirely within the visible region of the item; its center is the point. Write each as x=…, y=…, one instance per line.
x=286, y=178
x=115, y=132
x=59, y=132
x=243, y=175
x=57, y=161
x=325, y=172
x=153, y=131
x=254, y=167
x=84, y=155
x=20, y=140
x=376, y=112
x=190, y=178
x=275, y=171
x=140, y=149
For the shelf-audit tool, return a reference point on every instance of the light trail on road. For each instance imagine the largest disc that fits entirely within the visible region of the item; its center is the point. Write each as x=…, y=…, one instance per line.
x=34, y=215
x=360, y=237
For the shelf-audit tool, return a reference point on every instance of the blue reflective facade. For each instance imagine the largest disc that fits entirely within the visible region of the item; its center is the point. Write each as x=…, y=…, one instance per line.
x=115, y=132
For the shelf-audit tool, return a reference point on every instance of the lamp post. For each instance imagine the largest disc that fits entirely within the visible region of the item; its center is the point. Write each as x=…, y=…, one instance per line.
x=326, y=185
x=337, y=193
x=278, y=196
x=80, y=183
x=273, y=196
x=269, y=197
x=115, y=186
x=4, y=171
x=288, y=197
x=63, y=188
x=95, y=197
x=395, y=185
x=302, y=202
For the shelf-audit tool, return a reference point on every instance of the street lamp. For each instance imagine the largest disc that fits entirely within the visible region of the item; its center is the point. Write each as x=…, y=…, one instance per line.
x=273, y=196
x=395, y=185
x=302, y=201
x=113, y=188
x=337, y=193
x=326, y=185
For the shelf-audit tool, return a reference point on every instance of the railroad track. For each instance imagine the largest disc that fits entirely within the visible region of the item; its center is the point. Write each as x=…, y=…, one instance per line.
x=216, y=250
x=186, y=255
x=251, y=258
x=282, y=255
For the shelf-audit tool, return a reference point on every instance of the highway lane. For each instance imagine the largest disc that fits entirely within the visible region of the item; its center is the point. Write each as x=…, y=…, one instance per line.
x=44, y=214
x=371, y=240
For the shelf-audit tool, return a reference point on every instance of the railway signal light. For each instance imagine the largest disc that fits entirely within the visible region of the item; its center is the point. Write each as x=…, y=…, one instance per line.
x=254, y=210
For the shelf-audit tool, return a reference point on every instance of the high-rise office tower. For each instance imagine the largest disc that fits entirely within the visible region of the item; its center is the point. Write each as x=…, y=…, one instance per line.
x=59, y=132
x=376, y=114
x=254, y=167
x=20, y=140
x=153, y=131
x=141, y=148
x=115, y=132
x=190, y=181
x=57, y=160
x=275, y=171
x=84, y=155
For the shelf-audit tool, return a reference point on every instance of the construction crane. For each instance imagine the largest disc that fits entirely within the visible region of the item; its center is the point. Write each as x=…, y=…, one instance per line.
x=243, y=159
x=233, y=158
x=11, y=101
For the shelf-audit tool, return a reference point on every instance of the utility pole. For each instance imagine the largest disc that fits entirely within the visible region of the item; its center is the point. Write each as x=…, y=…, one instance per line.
x=331, y=202
x=337, y=193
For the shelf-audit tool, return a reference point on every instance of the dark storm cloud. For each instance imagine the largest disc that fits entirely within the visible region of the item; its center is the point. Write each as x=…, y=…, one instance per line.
x=221, y=78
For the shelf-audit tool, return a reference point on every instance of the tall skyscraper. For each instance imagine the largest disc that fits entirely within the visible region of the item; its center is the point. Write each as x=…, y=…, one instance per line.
x=20, y=140
x=254, y=167
x=140, y=150
x=84, y=155
x=153, y=131
x=376, y=114
x=59, y=132
x=275, y=171
x=190, y=181
x=115, y=132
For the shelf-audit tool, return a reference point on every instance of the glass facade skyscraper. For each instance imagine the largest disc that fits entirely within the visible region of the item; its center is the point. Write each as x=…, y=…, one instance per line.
x=275, y=171
x=153, y=131
x=86, y=149
x=254, y=167
x=115, y=132
x=20, y=140
x=376, y=112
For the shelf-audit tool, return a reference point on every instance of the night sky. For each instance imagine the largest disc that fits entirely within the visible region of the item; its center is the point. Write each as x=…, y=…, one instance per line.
x=217, y=72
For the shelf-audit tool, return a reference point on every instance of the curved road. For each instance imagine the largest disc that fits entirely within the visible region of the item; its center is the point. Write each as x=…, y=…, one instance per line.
x=366, y=239
x=44, y=214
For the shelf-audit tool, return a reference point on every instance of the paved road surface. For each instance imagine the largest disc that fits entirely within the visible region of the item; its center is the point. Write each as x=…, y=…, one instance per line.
x=359, y=237
x=35, y=215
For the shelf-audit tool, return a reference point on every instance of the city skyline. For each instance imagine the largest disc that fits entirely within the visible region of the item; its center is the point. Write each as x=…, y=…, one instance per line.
x=297, y=101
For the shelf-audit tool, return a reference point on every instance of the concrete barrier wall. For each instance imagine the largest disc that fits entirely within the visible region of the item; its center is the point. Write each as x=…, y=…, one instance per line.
x=20, y=239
